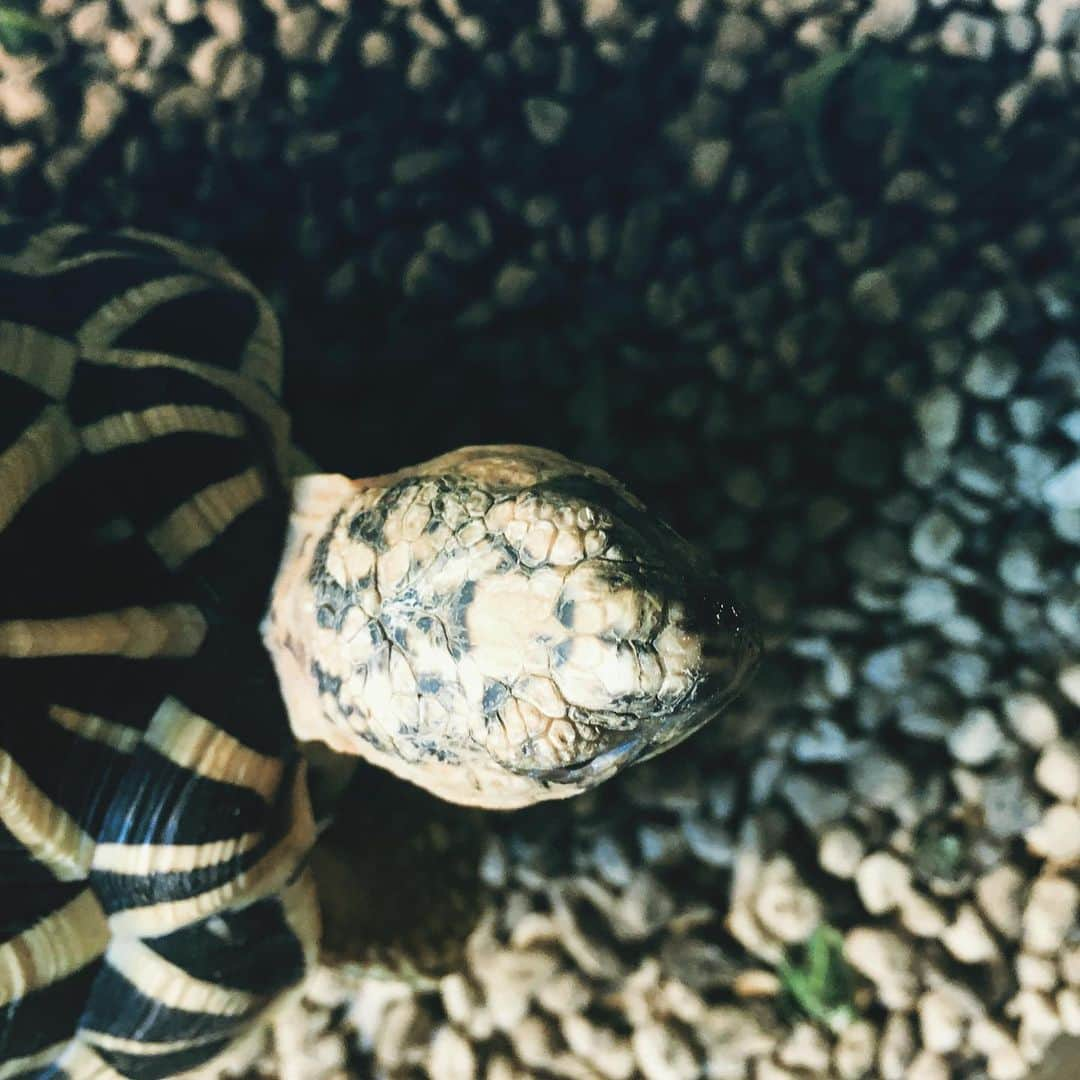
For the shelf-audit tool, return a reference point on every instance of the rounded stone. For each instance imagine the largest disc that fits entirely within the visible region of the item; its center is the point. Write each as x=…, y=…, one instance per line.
x=977, y=740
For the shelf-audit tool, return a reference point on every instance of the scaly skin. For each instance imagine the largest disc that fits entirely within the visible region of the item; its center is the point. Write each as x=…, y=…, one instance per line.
x=499, y=625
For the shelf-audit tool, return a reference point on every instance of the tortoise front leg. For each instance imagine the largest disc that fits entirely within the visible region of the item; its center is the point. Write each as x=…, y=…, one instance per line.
x=397, y=874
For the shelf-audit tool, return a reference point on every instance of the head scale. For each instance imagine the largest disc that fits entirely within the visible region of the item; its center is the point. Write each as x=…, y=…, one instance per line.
x=500, y=625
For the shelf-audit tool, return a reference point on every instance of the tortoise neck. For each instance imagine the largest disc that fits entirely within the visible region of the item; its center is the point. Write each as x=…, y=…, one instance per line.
x=329, y=775
x=290, y=622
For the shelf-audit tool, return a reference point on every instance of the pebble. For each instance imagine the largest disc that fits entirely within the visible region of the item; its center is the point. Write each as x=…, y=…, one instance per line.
x=1070, y=964
x=1003, y=1058
x=989, y=316
x=1062, y=490
x=936, y=539
x=1009, y=807
x=1057, y=836
x=663, y=1054
x=1057, y=18
x=517, y=286
x=942, y=1021
x=451, y=1055
x=709, y=841
x=1020, y=567
x=708, y=160
x=1050, y=915
x=853, y=1053
x=897, y=1047
x=1029, y=417
x=610, y=1053
x=887, y=960
x=1000, y=893
x=661, y=845
x=928, y=600
x=879, y=779
x=883, y=881
x=1068, y=1007
x=805, y=1048
x=886, y=20
x=977, y=740
x=815, y=804
x=642, y=909
x=938, y=415
x=875, y=298
x=921, y=916
x=929, y=1066
x=826, y=741
x=1058, y=770
x=968, y=36
x=786, y=907
x=1069, y=683
x=991, y=374
x=840, y=851
x=547, y=119
x=612, y=861
x=1040, y=1024
x=739, y=34
x=968, y=939
x=1036, y=972
x=1032, y=719
x=1019, y=32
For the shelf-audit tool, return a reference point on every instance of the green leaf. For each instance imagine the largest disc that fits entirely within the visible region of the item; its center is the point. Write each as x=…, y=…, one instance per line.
x=821, y=985
x=21, y=31
x=806, y=97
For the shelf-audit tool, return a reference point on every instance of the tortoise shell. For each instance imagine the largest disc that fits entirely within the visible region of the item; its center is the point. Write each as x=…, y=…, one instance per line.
x=154, y=816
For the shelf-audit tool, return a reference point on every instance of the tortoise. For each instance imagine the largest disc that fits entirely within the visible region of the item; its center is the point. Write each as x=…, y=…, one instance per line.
x=200, y=639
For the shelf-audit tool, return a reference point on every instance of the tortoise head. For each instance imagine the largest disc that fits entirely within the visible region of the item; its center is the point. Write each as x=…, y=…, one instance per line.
x=499, y=625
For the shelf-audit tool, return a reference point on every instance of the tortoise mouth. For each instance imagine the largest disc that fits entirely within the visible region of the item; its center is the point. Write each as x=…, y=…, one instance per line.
x=597, y=768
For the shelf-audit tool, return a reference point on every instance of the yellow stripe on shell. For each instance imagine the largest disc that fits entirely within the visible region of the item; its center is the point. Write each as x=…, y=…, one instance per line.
x=102, y=1040
x=38, y=256
x=47, y=832
x=262, y=359
x=174, y=630
x=31, y=1062
x=132, y=427
x=265, y=878
x=164, y=982
x=194, y=743
x=145, y=859
x=54, y=947
x=37, y=456
x=96, y=728
x=262, y=354
x=37, y=358
x=255, y=398
x=126, y=308
x=79, y=1062
x=197, y=523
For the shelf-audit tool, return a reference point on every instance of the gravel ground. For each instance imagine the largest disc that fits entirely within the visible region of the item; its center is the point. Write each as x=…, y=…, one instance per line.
x=806, y=274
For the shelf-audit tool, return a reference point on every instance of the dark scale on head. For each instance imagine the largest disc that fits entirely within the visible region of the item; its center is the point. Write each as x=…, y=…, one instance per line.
x=459, y=611
x=564, y=612
x=495, y=693
x=369, y=526
x=650, y=533
x=328, y=684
